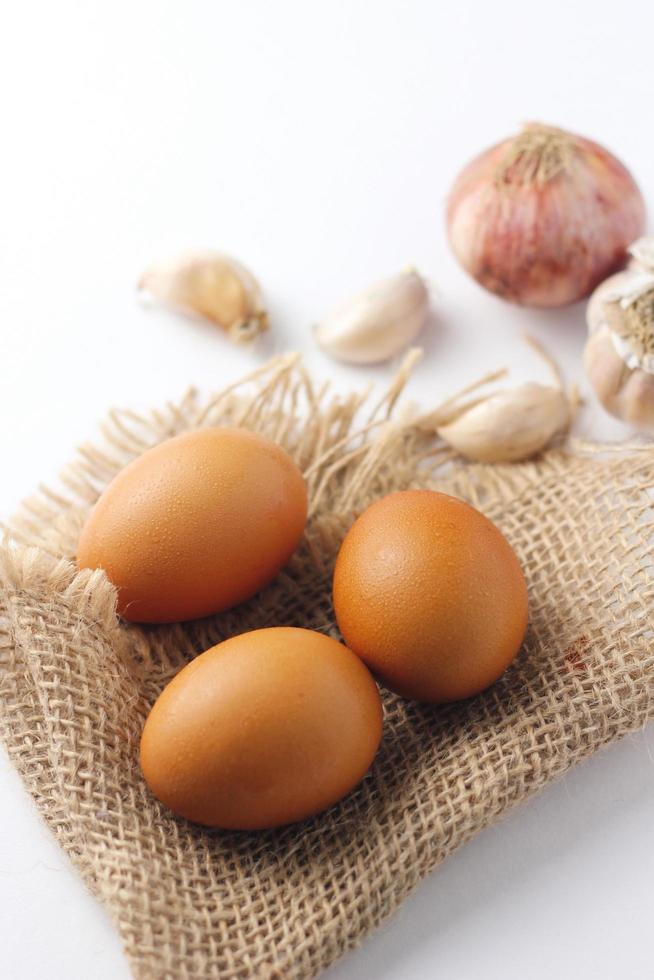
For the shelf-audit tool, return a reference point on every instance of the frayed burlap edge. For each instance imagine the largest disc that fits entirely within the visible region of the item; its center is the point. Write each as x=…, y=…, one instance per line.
x=191, y=903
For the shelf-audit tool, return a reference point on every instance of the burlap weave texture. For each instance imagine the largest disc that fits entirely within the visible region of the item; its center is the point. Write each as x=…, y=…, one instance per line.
x=76, y=685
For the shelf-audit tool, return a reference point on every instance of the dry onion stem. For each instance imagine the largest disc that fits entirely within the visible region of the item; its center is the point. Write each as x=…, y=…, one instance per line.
x=537, y=155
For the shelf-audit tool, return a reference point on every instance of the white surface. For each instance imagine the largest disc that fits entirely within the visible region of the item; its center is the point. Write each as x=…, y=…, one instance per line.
x=317, y=142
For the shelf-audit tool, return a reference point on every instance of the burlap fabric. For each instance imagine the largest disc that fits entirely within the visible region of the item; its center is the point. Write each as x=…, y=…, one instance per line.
x=76, y=685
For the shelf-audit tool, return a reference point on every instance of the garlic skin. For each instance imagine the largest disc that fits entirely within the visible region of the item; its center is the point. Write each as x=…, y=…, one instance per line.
x=595, y=317
x=624, y=392
x=619, y=353
x=642, y=254
x=210, y=285
x=378, y=323
x=509, y=425
x=540, y=219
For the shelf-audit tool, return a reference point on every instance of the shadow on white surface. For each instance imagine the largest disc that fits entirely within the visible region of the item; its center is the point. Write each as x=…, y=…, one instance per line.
x=47, y=913
x=517, y=881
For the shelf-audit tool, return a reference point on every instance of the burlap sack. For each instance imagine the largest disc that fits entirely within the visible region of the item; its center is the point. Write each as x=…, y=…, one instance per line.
x=76, y=686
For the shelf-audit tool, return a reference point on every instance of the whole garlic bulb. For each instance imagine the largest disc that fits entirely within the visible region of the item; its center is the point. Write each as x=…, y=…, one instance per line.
x=619, y=353
x=378, y=323
x=543, y=217
x=210, y=285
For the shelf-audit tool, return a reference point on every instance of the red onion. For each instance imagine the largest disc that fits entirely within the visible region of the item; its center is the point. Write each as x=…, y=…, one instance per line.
x=543, y=217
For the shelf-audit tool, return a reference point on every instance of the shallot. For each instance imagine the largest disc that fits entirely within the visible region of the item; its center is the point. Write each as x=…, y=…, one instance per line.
x=543, y=217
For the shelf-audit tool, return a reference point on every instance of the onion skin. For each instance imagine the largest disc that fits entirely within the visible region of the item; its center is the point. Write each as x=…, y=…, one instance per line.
x=544, y=242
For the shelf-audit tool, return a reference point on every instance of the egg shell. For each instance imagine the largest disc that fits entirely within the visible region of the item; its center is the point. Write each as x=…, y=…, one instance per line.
x=265, y=729
x=429, y=593
x=196, y=525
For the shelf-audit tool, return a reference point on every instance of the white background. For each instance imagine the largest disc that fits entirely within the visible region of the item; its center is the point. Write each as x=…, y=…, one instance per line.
x=317, y=142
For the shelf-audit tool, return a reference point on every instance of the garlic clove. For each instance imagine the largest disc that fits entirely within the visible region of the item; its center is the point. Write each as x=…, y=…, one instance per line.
x=378, y=323
x=509, y=425
x=604, y=368
x=636, y=401
x=210, y=285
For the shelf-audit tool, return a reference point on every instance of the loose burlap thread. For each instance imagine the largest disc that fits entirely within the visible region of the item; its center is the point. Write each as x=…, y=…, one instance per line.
x=76, y=685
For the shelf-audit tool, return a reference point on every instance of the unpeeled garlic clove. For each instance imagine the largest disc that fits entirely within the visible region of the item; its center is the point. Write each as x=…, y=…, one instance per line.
x=509, y=425
x=213, y=286
x=379, y=322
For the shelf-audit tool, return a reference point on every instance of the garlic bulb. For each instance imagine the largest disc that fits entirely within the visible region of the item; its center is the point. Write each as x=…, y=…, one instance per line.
x=509, y=425
x=378, y=323
x=543, y=217
x=619, y=353
x=213, y=286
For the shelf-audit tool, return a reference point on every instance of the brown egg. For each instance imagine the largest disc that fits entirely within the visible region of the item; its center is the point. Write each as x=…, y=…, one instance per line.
x=264, y=729
x=430, y=594
x=196, y=524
